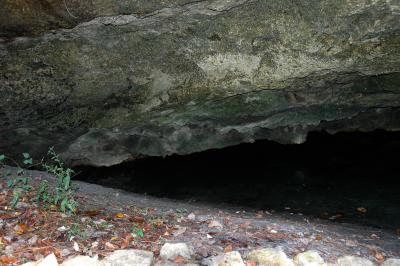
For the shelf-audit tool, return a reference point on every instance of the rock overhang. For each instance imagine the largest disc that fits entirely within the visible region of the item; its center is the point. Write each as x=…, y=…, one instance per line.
x=201, y=75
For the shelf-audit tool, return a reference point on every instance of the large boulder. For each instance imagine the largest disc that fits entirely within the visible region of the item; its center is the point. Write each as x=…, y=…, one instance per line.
x=150, y=78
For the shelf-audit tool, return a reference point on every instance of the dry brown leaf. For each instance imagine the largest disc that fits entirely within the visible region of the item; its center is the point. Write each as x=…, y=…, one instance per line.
x=179, y=260
x=7, y=260
x=138, y=219
x=245, y=225
x=119, y=215
x=318, y=237
x=214, y=224
x=362, y=210
x=108, y=245
x=21, y=228
x=124, y=243
x=379, y=256
x=91, y=213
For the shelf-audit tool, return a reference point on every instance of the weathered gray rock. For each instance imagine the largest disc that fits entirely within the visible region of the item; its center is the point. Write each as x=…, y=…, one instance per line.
x=170, y=263
x=309, y=258
x=227, y=259
x=353, y=261
x=391, y=262
x=270, y=257
x=153, y=78
x=170, y=251
x=49, y=260
x=82, y=260
x=131, y=257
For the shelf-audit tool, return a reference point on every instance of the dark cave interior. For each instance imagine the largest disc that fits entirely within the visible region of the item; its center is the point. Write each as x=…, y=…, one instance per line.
x=327, y=177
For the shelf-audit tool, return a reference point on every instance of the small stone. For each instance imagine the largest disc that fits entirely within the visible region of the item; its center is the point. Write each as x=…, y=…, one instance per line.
x=80, y=261
x=131, y=257
x=98, y=234
x=169, y=251
x=353, y=261
x=170, y=263
x=191, y=217
x=9, y=250
x=76, y=246
x=391, y=262
x=270, y=256
x=21, y=205
x=62, y=229
x=232, y=258
x=50, y=260
x=65, y=252
x=33, y=240
x=309, y=258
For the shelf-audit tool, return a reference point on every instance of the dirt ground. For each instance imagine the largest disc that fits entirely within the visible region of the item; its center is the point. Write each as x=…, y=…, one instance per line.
x=110, y=219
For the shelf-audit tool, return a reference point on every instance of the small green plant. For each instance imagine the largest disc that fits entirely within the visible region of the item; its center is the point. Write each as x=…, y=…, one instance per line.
x=27, y=159
x=63, y=194
x=136, y=231
x=2, y=161
x=64, y=191
x=19, y=184
x=76, y=231
x=42, y=192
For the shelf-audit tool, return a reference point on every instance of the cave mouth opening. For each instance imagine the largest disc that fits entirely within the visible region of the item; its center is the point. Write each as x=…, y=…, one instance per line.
x=346, y=177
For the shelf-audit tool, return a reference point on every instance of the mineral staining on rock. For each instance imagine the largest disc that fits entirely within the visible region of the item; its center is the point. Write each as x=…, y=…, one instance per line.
x=150, y=78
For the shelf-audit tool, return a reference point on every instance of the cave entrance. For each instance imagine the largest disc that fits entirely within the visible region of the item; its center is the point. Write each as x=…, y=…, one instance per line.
x=346, y=177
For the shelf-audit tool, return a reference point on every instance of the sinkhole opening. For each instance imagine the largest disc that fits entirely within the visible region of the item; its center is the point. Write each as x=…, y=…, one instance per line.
x=346, y=177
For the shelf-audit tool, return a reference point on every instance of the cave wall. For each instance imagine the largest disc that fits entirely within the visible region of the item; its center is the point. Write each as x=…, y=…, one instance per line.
x=109, y=81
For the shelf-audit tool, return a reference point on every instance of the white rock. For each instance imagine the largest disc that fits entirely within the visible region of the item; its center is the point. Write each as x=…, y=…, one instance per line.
x=81, y=261
x=172, y=250
x=309, y=258
x=31, y=263
x=270, y=257
x=391, y=262
x=129, y=257
x=353, y=261
x=228, y=259
x=50, y=260
x=62, y=229
x=76, y=246
x=191, y=217
x=170, y=263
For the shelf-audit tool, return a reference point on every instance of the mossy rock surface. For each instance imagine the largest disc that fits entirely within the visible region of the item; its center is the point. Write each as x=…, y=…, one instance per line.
x=108, y=81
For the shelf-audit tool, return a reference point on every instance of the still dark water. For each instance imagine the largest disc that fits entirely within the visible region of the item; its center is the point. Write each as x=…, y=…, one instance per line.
x=329, y=176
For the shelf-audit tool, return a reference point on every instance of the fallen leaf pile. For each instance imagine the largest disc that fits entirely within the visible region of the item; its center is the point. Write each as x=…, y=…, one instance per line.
x=30, y=232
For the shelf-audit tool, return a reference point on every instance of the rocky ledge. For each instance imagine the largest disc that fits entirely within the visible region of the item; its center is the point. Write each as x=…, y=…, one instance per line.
x=111, y=82
x=181, y=254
